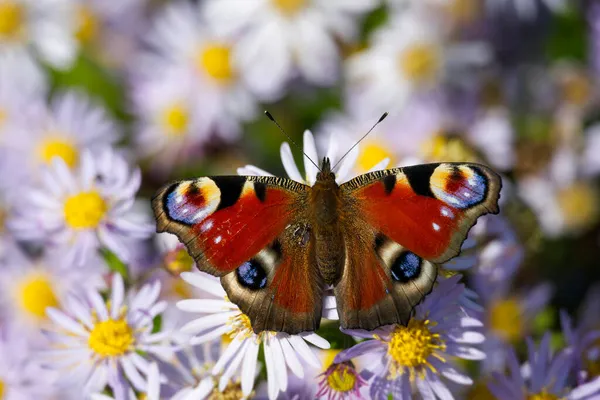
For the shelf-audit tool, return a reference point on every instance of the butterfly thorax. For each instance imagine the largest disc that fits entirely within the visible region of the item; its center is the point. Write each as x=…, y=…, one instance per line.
x=325, y=205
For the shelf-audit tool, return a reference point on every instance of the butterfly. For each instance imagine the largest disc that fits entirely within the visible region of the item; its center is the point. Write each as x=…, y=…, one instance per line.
x=276, y=243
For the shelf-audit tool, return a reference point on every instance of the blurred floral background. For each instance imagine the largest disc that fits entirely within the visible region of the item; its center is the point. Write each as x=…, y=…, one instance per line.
x=104, y=101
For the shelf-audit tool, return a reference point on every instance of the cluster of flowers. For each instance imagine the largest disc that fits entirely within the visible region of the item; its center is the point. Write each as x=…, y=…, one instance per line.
x=94, y=304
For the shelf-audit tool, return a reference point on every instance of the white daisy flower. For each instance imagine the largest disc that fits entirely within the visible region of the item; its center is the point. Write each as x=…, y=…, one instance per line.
x=72, y=123
x=22, y=83
x=41, y=25
x=107, y=29
x=415, y=358
x=284, y=38
x=83, y=210
x=171, y=128
x=151, y=391
x=426, y=130
x=95, y=343
x=409, y=55
x=225, y=318
x=180, y=40
x=29, y=286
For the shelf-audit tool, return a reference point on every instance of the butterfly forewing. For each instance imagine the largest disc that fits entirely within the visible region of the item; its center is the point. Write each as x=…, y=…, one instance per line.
x=248, y=231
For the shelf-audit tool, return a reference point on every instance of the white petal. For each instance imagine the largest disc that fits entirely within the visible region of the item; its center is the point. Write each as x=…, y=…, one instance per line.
x=233, y=366
x=304, y=351
x=316, y=340
x=66, y=322
x=210, y=336
x=249, y=367
x=252, y=170
x=279, y=362
x=117, y=295
x=310, y=149
x=228, y=354
x=205, y=306
x=153, y=391
x=289, y=164
x=202, y=282
x=291, y=359
x=207, y=322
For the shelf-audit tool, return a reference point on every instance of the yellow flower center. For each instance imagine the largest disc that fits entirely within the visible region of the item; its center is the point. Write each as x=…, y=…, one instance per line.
x=175, y=120
x=506, y=319
x=411, y=346
x=447, y=148
x=579, y=205
x=178, y=261
x=372, y=153
x=233, y=391
x=36, y=294
x=420, y=62
x=342, y=378
x=289, y=7
x=1, y=389
x=87, y=23
x=3, y=216
x=577, y=89
x=240, y=324
x=85, y=210
x=543, y=395
x=464, y=10
x=61, y=148
x=215, y=61
x=12, y=19
x=3, y=117
x=111, y=338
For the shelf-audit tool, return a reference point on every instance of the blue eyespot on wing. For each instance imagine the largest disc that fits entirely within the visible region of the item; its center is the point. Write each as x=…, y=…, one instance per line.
x=460, y=186
x=252, y=275
x=406, y=267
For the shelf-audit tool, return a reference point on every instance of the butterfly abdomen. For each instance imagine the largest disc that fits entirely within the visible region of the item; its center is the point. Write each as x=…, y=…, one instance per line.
x=325, y=203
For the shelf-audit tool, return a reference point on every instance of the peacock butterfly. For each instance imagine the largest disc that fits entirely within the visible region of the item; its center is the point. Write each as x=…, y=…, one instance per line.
x=276, y=243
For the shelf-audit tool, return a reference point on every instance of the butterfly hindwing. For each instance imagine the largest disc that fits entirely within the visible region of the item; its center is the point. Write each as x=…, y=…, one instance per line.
x=288, y=297
x=427, y=208
x=381, y=283
x=247, y=231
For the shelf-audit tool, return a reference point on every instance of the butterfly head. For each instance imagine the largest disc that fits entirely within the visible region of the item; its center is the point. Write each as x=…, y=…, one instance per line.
x=326, y=174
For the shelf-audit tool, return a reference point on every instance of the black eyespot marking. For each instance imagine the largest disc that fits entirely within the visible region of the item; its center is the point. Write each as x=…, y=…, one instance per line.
x=406, y=267
x=379, y=241
x=276, y=247
x=389, y=182
x=260, y=190
x=251, y=275
x=419, y=177
x=230, y=187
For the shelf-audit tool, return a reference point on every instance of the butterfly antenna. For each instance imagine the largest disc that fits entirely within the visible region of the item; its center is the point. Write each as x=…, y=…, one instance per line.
x=385, y=114
x=268, y=114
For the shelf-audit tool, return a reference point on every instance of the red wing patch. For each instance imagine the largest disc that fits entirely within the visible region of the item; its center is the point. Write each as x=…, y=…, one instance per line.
x=427, y=208
x=224, y=221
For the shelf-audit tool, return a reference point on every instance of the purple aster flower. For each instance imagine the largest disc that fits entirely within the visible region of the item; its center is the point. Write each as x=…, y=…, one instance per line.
x=418, y=357
x=545, y=376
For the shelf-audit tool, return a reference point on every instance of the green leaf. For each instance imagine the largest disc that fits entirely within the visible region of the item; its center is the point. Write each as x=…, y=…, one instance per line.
x=544, y=320
x=568, y=37
x=115, y=264
x=338, y=340
x=157, y=324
